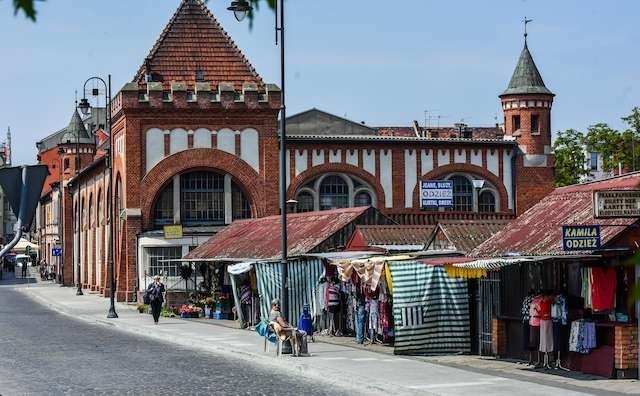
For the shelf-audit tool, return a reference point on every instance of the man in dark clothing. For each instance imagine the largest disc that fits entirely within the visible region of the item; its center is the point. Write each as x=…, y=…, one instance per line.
x=156, y=295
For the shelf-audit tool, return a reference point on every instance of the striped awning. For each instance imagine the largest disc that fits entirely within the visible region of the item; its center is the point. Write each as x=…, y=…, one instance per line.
x=494, y=263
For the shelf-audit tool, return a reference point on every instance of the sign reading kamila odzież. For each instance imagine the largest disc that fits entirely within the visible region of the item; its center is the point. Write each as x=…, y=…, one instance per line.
x=581, y=237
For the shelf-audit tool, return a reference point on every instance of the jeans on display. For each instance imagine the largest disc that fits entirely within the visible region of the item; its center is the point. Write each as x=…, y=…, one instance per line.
x=360, y=324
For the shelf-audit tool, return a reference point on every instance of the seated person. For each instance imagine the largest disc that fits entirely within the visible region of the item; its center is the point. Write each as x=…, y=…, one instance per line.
x=285, y=328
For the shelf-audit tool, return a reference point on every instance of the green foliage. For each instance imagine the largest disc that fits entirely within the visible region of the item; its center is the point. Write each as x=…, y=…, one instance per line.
x=608, y=142
x=27, y=6
x=570, y=157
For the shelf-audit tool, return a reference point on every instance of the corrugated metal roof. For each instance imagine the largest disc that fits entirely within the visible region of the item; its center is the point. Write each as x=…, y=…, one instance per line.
x=395, y=234
x=538, y=231
x=381, y=138
x=465, y=235
x=261, y=238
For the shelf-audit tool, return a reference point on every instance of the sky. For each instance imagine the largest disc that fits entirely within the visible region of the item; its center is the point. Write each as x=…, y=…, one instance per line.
x=381, y=62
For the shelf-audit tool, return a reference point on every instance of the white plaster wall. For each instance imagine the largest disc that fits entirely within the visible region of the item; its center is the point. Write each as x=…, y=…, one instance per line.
x=202, y=138
x=154, y=147
x=227, y=141
x=249, y=150
x=317, y=157
x=493, y=163
x=476, y=157
x=410, y=176
x=426, y=160
x=385, y=176
x=506, y=176
x=369, y=161
x=352, y=157
x=335, y=156
x=459, y=156
x=443, y=157
x=301, y=161
x=178, y=141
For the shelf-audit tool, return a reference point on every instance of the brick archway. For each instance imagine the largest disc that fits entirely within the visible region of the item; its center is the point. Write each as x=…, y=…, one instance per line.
x=319, y=170
x=205, y=158
x=446, y=170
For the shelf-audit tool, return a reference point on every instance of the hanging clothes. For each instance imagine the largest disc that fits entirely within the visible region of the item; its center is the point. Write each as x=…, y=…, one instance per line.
x=603, y=288
x=582, y=338
x=586, y=286
x=387, y=275
x=534, y=311
x=526, y=308
x=559, y=309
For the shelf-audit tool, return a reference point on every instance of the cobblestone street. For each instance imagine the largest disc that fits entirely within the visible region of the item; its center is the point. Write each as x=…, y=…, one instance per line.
x=43, y=352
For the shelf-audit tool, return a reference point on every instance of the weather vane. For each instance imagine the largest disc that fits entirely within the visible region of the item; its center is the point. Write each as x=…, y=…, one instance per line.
x=525, y=21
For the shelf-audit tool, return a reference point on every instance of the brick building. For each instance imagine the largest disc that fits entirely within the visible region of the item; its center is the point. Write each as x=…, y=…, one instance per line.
x=196, y=144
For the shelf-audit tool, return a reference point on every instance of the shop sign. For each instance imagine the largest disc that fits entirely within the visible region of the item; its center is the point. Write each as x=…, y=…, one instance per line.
x=581, y=237
x=173, y=231
x=616, y=203
x=436, y=194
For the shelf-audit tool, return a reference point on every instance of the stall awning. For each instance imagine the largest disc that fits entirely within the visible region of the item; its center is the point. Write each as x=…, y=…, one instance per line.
x=240, y=268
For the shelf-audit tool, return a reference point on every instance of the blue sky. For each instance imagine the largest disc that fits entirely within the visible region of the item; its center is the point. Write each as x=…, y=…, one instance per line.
x=372, y=61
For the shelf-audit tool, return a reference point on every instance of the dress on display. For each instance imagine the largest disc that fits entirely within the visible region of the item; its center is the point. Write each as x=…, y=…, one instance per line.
x=546, y=326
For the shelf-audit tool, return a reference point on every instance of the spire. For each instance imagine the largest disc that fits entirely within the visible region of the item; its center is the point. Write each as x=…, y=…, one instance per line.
x=526, y=78
x=76, y=131
x=193, y=47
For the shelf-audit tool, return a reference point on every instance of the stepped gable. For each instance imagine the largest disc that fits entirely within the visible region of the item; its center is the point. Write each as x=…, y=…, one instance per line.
x=194, y=40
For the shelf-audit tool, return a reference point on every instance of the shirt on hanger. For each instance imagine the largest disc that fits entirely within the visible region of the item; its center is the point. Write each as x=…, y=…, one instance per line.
x=603, y=288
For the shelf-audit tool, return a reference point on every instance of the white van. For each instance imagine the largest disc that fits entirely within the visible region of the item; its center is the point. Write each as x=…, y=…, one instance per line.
x=22, y=259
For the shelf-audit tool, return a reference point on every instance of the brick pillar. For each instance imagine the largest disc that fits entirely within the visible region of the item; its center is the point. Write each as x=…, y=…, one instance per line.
x=626, y=351
x=498, y=337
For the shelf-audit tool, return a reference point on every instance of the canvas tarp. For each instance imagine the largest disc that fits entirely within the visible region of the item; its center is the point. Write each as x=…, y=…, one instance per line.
x=303, y=285
x=430, y=310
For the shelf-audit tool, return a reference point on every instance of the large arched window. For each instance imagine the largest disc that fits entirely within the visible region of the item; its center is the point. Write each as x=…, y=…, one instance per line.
x=462, y=194
x=305, y=201
x=163, y=210
x=362, y=198
x=334, y=193
x=486, y=201
x=202, y=198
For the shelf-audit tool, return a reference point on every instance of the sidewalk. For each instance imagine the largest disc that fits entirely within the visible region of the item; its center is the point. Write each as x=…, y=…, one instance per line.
x=357, y=369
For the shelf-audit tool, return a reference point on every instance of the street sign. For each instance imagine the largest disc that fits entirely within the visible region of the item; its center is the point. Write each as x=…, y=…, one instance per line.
x=585, y=237
x=56, y=252
x=616, y=203
x=11, y=182
x=436, y=194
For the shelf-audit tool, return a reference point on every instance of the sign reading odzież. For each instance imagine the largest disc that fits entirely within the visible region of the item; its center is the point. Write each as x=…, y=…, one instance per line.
x=436, y=194
x=616, y=203
x=581, y=237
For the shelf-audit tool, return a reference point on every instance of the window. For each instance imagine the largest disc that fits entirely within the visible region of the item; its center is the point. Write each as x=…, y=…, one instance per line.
x=462, y=194
x=305, y=202
x=486, y=202
x=334, y=193
x=168, y=268
x=241, y=207
x=202, y=198
x=362, y=199
x=515, y=121
x=535, y=123
x=593, y=161
x=66, y=163
x=191, y=96
x=163, y=210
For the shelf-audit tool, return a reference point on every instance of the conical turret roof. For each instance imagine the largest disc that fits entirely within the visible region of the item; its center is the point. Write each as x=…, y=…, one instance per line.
x=526, y=78
x=75, y=131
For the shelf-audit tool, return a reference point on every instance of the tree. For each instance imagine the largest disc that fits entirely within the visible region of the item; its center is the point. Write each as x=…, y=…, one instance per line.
x=609, y=143
x=570, y=157
x=29, y=8
x=631, y=136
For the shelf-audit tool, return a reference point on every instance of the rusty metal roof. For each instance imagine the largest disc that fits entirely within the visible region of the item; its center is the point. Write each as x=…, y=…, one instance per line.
x=538, y=231
x=261, y=238
x=465, y=235
x=395, y=234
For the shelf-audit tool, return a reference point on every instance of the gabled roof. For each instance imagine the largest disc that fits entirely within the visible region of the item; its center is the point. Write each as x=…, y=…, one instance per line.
x=538, y=231
x=392, y=235
x=465, y=235
x=526, y=78
x=318, y=122
x=194, y=40
x=76, y=131
x=260, y=238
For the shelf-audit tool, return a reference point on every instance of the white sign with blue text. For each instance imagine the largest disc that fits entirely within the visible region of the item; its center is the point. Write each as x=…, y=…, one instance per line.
x=436, y=194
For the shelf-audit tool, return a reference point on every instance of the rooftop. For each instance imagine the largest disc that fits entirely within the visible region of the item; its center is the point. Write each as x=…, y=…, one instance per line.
x=526, y=78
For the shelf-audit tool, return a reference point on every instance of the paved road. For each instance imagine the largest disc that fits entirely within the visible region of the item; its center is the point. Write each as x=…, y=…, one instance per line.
x=43, y=352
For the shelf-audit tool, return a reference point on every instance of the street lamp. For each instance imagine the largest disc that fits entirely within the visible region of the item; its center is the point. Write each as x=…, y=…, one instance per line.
x=84, y=107
x=240, y=8
x=478, y=184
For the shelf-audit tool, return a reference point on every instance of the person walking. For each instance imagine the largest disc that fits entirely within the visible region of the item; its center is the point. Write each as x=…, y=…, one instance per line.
x=155, y=291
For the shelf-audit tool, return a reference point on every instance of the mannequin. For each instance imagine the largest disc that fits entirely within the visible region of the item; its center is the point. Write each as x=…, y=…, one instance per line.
x=526, y=329
x=559, y=318
x=333, y=304
x=534, y=322
x=546, y=327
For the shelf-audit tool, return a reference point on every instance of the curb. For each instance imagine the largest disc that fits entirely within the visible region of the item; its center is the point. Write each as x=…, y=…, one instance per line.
x=259, y=358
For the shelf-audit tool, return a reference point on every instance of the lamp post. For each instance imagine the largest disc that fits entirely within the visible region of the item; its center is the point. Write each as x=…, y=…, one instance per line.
x=84, y=108
x=78, y=213
x=478, y=184
x=240, y=9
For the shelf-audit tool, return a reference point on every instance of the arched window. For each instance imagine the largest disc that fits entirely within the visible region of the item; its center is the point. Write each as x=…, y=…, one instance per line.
x=99, y=208
x=486, y=201
x=362, y=198
x=241, y=208
x=163, y=209
x=334, y=193
x=462, y=194
x=202, y=198
x=92, y=217
x=305, y=202
x=119, y=205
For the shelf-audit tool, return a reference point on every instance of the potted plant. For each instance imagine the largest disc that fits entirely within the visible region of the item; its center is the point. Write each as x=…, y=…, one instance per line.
x=185, y=311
